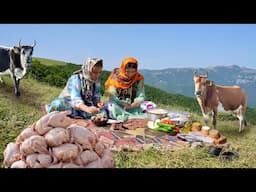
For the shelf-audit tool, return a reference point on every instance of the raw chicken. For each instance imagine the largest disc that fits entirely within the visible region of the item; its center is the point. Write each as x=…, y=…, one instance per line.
x=82, y=136
x=56, y=137
x=31, y=161
x=53, y=142
x=86, y=157
x=39, y=160
x=107, y=159
x=26, y=133
x=34, y=144
x=42, y=125
x=99, y=148
x=11, y=154
x=95, y=164
x=66, y=152
x=60, y=119
x=19, y=164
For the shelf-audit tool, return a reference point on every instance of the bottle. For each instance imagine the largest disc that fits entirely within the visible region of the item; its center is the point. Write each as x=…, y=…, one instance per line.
x=186, y=128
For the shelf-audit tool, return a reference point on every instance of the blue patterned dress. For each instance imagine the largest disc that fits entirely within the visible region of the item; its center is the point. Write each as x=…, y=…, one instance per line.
x=76, y=92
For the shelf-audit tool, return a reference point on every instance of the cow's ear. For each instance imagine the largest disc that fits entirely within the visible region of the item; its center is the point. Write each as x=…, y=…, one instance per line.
x=209, y=83
x=16, y=49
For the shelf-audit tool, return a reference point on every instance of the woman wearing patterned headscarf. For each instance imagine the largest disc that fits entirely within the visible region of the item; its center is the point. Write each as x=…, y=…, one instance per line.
x=125, y=90
x=81, y=94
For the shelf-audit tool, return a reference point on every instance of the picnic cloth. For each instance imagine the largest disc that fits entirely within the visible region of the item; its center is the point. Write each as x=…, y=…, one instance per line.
x=137, y=138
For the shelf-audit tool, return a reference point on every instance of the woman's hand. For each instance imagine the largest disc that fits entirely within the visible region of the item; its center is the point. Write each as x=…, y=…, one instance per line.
x=130, y=106
x=87, y=109
x=92, y=110
x=126, y=105
x=133, y=105
x=100, y=105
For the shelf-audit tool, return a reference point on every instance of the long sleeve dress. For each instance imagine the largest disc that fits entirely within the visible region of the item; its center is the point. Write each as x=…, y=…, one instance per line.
x=118, y=96
x=75, y=93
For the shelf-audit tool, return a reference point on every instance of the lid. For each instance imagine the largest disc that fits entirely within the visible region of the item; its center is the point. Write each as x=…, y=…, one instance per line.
x=158, y=111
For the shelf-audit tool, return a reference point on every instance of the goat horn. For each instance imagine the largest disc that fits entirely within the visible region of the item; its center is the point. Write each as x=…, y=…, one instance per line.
x=20, y=43
x=34, y=44
x=195, y=73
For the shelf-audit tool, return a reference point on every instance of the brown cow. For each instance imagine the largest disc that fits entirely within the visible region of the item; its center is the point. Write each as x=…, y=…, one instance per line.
x=214, y=98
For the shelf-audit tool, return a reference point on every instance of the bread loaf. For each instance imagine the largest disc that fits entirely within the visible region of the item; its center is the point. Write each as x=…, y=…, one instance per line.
x=214, y=134
x=196, y=126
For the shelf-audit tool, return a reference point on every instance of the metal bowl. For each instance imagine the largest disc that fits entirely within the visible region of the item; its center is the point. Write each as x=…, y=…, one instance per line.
x=100, y=123
x=99, y=120
x=155, y=114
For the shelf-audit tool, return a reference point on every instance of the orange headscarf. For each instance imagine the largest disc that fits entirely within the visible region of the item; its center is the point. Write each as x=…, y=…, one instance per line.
x=119, y=79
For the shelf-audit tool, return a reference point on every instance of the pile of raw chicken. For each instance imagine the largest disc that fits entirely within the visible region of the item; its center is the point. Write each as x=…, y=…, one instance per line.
x=54, y=142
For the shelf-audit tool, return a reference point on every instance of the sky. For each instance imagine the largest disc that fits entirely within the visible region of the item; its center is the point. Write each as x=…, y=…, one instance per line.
x=155, y=46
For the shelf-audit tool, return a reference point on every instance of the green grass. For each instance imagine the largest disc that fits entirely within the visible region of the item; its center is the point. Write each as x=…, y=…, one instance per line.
x=17, y=113
x=49, y=61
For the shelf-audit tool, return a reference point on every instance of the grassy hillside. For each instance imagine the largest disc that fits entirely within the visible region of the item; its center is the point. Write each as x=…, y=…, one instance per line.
x=18, y=113
x=50, y=62
x=57, y=73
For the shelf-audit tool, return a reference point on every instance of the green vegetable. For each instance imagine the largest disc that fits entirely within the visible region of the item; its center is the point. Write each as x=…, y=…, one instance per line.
x=165, y=128
x=162, y=129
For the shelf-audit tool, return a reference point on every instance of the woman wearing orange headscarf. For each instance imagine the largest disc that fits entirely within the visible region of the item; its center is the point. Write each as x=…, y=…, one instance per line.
x=125, y=90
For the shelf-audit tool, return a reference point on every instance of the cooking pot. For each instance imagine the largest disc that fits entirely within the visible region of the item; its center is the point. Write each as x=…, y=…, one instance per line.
x=154, y=114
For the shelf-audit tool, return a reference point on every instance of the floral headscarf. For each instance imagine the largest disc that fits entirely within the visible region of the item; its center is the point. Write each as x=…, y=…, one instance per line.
x=87, y=68
x=87, y=83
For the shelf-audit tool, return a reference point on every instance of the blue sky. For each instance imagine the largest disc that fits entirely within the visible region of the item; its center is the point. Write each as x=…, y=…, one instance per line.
x=156, y=46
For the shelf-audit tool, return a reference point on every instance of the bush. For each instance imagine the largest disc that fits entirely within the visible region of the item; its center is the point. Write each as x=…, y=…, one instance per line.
x=56, y=75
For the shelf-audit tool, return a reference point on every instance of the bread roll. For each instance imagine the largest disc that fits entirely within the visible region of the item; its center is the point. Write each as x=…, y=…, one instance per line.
x=214, y=134
x=196, y=126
